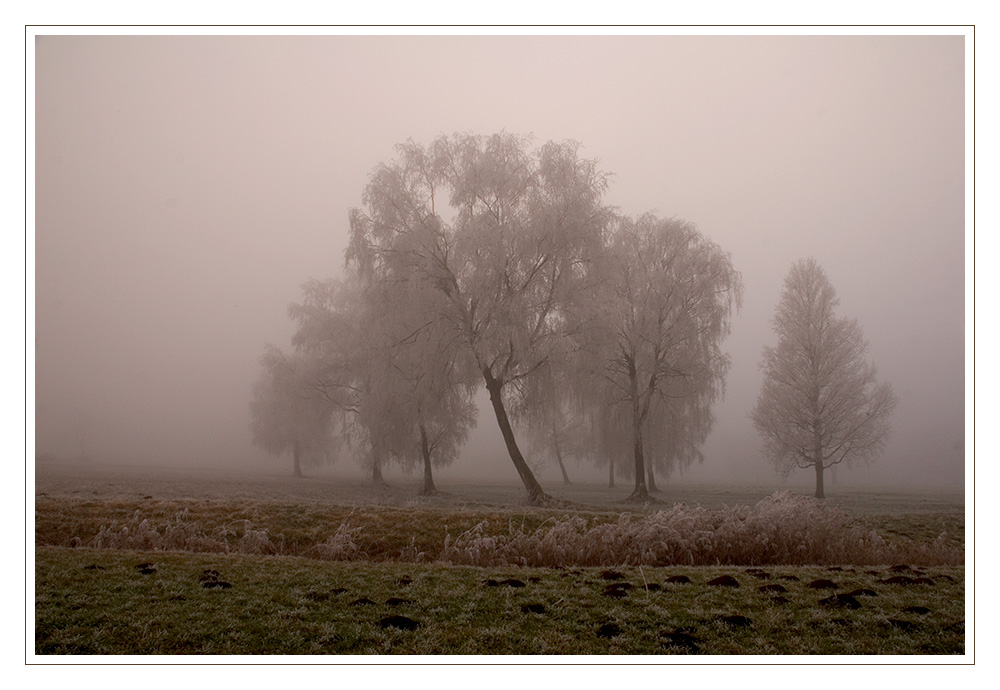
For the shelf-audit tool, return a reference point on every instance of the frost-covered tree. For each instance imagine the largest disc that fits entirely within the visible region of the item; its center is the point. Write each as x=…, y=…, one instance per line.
x=608, y=436
x=550, y=413
x=287, y=412
x=653, y=330
x=401, y=391
x=672, y=434
x=504, y=234
x=430, y=379
x=333, y=327
x=675, y=431
x=820, y=403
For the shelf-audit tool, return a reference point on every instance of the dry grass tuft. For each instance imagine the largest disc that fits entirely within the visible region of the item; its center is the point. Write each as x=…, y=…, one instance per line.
x=782, y=529
x=343, y=545
x=183, y=534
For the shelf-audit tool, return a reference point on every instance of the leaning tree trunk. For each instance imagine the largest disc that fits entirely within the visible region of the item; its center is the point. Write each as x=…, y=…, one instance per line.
x=531, y=485
x=425, y=450
x=562, y=467
x=296, y=461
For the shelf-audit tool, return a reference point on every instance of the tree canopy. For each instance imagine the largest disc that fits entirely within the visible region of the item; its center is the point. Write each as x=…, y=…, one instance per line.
x=507, y=252
x=653, y=333
x=287, y=412
x=480, y=260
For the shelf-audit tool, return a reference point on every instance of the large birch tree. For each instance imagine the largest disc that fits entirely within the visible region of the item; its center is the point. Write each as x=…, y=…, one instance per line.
x=505, y=235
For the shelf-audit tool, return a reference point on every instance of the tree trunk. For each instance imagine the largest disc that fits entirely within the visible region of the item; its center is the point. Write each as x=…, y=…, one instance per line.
x=531, y=485
x=377, y=479
x=817, y=440
x=428, y=476
x=817, y=451
x=555, y=443
x=562, y=467
x=651, y=479
x=295, y=459
x=819, y=479
x=640, y=493
x=611, y=473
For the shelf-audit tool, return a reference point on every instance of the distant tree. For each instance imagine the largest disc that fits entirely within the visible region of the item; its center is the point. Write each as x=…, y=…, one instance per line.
x=507, y=252
x=675, y=431
x=334, y=328
x=549, y=412
x=654, y=329
x=610, y=437
x=672, y=436
x=287, y=414
x=428, y=373
x=401, y=391
x=443, y=425
x=820, y=403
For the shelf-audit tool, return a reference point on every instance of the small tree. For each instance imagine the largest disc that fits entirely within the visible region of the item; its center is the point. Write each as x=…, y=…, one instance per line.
x=549, y=411
x=654, y=328
x=401, y=391
x=353, y=375
x=820, y=403
x=287, y=413
x=430, y=377
x=678, y=429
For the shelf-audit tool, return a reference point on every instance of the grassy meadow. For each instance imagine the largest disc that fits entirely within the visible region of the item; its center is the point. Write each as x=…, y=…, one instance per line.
x=162, y=562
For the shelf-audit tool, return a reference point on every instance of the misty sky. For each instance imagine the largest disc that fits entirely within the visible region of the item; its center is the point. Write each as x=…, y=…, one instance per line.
x=187, y=186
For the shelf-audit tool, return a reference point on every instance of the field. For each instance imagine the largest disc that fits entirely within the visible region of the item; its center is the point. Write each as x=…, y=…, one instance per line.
x=206, y=563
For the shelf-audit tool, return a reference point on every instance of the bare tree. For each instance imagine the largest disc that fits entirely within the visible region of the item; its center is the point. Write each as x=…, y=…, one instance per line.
x=820, y=403
x=507, y=252
x=654, y=329
x=288, y=415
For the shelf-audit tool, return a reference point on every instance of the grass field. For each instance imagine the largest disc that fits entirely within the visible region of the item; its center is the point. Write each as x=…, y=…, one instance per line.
x=322, y=566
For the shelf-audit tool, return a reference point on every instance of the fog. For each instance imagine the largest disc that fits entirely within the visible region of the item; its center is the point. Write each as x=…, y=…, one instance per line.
x=186, y=186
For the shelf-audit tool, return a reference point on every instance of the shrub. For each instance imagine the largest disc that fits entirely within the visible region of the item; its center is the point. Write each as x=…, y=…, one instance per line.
x=342, y=546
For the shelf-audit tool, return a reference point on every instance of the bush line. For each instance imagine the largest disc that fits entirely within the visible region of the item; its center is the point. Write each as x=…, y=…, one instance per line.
x=784, y=528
